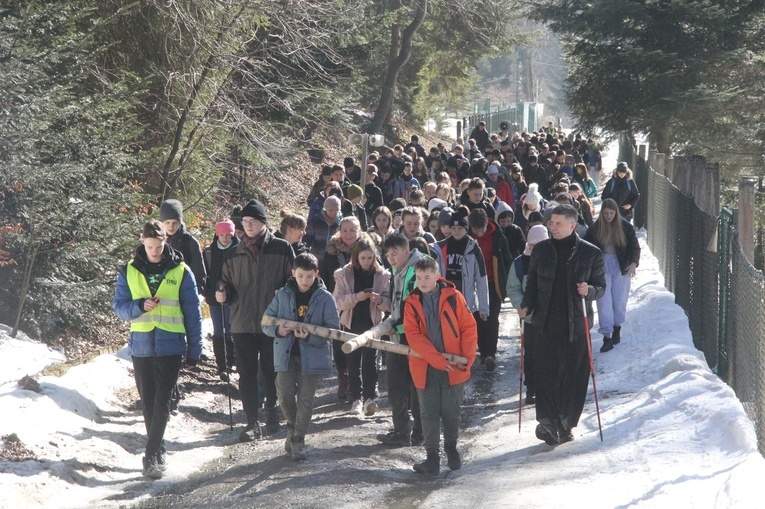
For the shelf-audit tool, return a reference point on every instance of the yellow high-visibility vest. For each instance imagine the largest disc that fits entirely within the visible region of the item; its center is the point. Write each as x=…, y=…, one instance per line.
x=168, y=314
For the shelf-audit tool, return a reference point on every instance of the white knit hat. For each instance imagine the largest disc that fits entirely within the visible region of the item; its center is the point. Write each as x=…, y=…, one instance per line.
x=532, y=196
x=537, y=234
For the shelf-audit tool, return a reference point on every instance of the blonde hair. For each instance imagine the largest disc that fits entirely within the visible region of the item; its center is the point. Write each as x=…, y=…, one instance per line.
x=610, y=232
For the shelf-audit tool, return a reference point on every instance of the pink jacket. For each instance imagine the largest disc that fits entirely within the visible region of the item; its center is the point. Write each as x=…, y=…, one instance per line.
x=346, y=297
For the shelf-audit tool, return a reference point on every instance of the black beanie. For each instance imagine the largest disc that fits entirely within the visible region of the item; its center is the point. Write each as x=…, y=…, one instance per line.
x=460, y=218
x=171, y=209
x=255, y=210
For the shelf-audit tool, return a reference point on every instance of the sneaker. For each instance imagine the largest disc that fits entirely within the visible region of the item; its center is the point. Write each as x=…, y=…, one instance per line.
x=608, y=345
x=395, y=438
x=617, y=336
x=370, y=407
x=431, y=465
x=531, y=396
x=250, y=432
x=417, y=438
x=356, y=407
x=547, y=434
x=298, y=449
x=151, y=469
x=490, y=363
x=453, y=460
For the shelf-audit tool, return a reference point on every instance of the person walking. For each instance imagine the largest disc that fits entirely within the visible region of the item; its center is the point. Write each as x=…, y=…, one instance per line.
x=157, y=293
x=616, y=237
x=223, y=244
x=623, y=190
x=562, y=271
x=361, y=292
x=258, y=267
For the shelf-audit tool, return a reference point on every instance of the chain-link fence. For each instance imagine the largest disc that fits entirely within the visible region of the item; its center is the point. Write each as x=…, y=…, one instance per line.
x=679, y=234
x=713, y=281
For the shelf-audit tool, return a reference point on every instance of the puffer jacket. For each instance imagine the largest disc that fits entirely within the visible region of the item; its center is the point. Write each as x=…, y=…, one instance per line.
x=475, y=283
x=585, y=265
x=251, y=282
x=626, y=254
x=458, y=329
x=158, y=342
x=346, y=297
x=315, y=351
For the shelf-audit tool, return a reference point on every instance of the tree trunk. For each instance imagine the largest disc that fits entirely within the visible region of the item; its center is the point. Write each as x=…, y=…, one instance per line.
x=401, y=51
x=24, y=290
x=662, y=139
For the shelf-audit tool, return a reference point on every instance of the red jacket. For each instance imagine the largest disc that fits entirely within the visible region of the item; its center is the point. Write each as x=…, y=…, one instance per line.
x=458, y=328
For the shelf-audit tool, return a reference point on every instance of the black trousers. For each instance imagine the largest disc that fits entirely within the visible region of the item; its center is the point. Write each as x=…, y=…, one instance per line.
x=341, y=361
x=362, y=373
x=561, y=374
x=248, y=348
x=155, y=378
x=488, y=330
x=402, y=394
x=530, y=334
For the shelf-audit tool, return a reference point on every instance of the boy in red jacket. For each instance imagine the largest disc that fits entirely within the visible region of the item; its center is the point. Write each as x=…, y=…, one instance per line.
x=437, y=321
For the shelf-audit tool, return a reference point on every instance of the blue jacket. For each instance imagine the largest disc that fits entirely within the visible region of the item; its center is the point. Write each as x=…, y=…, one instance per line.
x=315, y=351
x=159, y=343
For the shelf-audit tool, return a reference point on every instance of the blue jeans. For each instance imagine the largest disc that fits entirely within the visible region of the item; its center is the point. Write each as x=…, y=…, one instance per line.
x=613, y=305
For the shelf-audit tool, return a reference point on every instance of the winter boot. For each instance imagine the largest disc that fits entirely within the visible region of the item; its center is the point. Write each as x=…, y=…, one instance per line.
x=342, y=385
x=162, y=458
x=298, y=448
x=250, y=432
x=395, y=438
x=608, y=344
x=272, y=419
x=490, y=363
x=288, y=441
x=453, y=460
x=431, y=465
x=617, y=337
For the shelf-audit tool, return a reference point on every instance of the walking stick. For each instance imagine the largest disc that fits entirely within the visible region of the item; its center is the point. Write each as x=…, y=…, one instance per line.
x=225, y=358
x=520, y=377
x=592, y=365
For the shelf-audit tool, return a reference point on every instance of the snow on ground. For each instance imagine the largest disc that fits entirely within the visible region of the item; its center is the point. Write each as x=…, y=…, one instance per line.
x=674, y=434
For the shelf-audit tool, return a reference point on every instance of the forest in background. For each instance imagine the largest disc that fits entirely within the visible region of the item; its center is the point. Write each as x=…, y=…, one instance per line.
x=107, y=107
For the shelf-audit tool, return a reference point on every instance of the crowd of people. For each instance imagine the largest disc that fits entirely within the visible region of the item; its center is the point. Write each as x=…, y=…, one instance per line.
x=432, y=242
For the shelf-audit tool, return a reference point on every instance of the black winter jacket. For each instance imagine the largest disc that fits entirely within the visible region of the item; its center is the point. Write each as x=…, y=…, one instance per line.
x=214, y=258
x=585, y=265
x=623, y=191
x=626, y=254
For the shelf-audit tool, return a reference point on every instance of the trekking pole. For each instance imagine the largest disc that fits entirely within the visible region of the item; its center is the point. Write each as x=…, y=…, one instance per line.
x=225, y=359
x=520, y=377
x=592, y=365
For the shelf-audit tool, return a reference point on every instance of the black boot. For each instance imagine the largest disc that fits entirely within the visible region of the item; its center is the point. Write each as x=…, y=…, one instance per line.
x=608, y=344
x=617, y=337
x=431, y=465
x=453, y=460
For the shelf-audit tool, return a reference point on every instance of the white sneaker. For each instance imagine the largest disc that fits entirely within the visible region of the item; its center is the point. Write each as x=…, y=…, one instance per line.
x=356, y=407
x=370, y=407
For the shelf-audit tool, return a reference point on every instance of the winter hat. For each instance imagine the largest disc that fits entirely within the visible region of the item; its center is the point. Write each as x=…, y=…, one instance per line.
x=224, y=227
x=435, y=203
x=460, y=218
x=533, y=197
x=255, y=210
x=354, y=192
x=502, y=207
x=622, y=166
x=492, y=169
x=445, y=217
x=536, y=235
x=533, y=156
x=171, y=209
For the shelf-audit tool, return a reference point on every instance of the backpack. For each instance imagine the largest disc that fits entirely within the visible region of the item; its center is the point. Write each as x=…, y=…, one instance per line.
x=629, y=186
